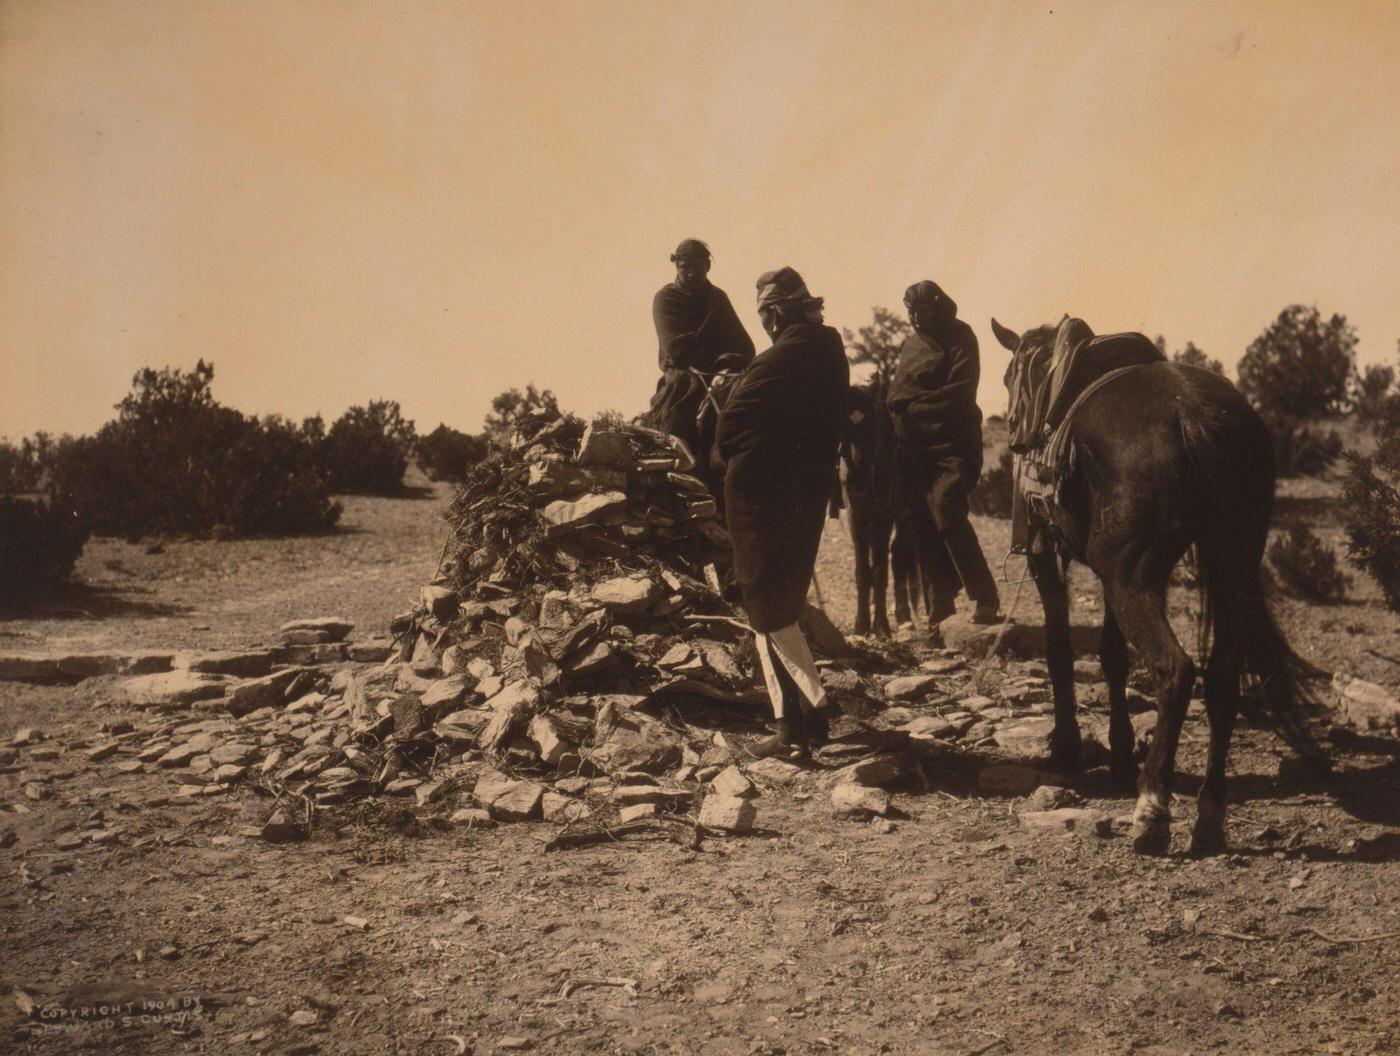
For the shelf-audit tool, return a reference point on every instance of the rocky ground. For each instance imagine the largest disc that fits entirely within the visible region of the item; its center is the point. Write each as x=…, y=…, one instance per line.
x=941, y=902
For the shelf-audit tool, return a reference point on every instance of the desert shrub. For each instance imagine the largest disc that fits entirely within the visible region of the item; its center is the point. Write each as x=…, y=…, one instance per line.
x=1306, y=567
x=992, y=496
x=447, y=453
x=513, y=406
x=1303, y=451
x=175, y=462
x=1300, y=367
x=39, y=543
x=366, y=450
x=1371, y=506
x=1370, y=389
x=24, y=467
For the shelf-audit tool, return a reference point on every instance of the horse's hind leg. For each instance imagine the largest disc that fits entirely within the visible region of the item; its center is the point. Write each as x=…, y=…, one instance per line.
x=903, y=570
x=1141, y=612
x=1222, y=704
x=880, y=569
x=1059, y=658
x=1113, y=658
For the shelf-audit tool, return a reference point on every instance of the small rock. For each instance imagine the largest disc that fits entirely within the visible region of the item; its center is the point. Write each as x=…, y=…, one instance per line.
x=603, y=445
x=267, y=692
x=1367, y=706
x=562, y=516
x=636, y=812
x=473, y=817
x=304, y=1017
x=1051, y=797
x=510, y=1042
x=626, y=595
x=442, y=602
x=101, y=752
x=849, y=798
x=280, y=828
x=727, y=813
x=910, y=687
x=882, y=825
x=930, y=728
x=731, y=782
x=879, y=771
x=545, y=736
x=1027, y=738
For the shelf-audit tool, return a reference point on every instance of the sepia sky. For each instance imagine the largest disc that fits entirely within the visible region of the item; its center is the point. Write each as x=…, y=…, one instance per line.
x=435, y=200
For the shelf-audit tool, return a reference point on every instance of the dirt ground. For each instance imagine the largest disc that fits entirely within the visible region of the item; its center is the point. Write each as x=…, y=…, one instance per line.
x=955, y=932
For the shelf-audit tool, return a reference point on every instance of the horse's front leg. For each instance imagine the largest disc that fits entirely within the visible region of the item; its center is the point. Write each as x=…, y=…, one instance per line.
x=1059, y=658
x=860, y=542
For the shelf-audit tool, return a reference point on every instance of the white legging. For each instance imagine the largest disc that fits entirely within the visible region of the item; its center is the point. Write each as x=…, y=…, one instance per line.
x=790, y=647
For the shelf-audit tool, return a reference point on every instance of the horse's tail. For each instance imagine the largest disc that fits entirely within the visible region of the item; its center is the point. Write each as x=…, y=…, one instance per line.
x=1229, y=547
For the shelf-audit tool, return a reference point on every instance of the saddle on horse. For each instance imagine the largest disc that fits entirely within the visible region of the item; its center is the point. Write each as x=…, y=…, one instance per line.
x=1080, y=363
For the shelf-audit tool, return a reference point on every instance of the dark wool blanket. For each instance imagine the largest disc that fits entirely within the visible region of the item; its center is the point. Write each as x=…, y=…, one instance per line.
x=698, y=329
x=779, y=435
x=933, y=397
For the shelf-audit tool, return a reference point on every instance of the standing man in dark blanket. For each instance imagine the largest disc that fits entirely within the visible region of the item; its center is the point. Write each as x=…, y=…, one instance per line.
x=778, y=436
x=696, y=328
x=938, y=429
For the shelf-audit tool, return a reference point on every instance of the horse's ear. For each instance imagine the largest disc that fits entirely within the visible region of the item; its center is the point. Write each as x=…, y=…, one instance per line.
x=1010, y=340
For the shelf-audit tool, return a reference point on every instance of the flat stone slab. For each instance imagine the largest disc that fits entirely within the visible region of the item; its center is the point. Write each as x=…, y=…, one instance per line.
x=1080, y=821
x=253, y=663
x=175, y=688
x=1026, y=738
x=337, y=627
x=25, y=667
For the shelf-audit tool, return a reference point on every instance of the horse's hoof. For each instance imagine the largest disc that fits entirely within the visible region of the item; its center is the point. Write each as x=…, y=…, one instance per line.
x=1207, y=841
x=1123, y=775
x=1152, y=837
x=1066, y=756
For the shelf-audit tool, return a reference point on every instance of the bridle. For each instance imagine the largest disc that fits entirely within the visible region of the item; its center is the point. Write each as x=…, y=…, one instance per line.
x=1025, y=378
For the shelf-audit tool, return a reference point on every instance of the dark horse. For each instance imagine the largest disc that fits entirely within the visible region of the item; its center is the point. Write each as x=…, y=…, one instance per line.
x=868, y=487
x=1161, y=457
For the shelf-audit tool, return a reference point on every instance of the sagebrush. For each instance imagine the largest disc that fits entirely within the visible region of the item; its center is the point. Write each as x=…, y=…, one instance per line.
x=40, y=541
x=448, y=454
x=1306, y=567
x=992, y=496
x=176, y=462
x=366, y=450
x=1371, y=505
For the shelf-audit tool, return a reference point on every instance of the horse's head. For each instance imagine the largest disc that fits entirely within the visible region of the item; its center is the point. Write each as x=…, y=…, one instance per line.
x=1025, y=379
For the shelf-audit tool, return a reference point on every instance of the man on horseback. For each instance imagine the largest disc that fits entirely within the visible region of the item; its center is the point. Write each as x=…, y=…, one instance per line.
x=778, y=436
x=698, y=336
x=938, y=427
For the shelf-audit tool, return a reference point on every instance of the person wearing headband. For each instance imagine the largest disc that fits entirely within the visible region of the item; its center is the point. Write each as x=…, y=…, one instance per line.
x=938, y=430
x=779, y=436
x=696, y=329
